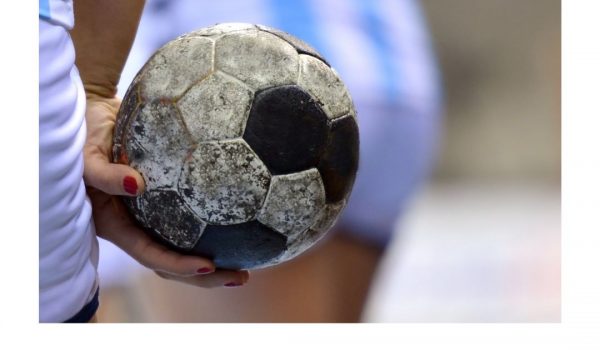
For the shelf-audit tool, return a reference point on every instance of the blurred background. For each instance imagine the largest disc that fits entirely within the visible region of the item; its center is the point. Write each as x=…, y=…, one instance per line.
x=480, y=239
x=482, y=243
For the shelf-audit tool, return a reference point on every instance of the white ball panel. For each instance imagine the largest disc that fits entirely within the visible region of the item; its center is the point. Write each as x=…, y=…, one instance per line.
x=325, y=85
x=160, y=145
x=293, y=202
x=299, y=243
x=328, y=216
x=151, y=168
x=176, y=67
x=216, y=108
x=224, y=182
x=257, y=58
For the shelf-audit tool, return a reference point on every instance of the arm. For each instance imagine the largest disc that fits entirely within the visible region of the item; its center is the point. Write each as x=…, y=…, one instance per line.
x=103, y=35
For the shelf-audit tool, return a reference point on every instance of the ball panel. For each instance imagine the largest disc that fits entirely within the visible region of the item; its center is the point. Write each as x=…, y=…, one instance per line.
x=216, y=108
x=182, y=229
x=136, y=156
x=293, y=201
x=339, y=163
x=176, y=67
x=328, y=216
x=325, y=85
x=222, y=28
x=300, y=45
x=258, y=59
x=299, y=243
x=224, y=182
x=127, y=111
x=157, y=143
x=135, y=207
x=240, y=246
x=296, y=246
x=287, y=129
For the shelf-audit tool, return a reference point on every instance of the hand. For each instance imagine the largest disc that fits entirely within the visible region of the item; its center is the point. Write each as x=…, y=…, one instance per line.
x=104, y=180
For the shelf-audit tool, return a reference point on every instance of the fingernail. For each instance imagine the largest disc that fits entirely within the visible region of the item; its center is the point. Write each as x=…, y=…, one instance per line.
x=130, y=185
x=204, y=270
x=233, y=284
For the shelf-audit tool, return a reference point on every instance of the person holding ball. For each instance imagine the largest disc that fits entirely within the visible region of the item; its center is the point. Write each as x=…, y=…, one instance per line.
x=82, y=50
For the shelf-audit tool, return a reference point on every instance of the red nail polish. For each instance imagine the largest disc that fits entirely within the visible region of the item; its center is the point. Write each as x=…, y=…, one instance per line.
x=233, y=284
x=130, y=185
x=204, y=270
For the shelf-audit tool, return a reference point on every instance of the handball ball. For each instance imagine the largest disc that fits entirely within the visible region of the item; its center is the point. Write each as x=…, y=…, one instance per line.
x=247, y=141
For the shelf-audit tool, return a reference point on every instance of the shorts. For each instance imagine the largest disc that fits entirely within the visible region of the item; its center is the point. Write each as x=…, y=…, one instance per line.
x=87, y=312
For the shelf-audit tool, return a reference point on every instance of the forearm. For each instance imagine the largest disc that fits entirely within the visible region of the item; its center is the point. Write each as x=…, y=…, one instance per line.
x=103, y=34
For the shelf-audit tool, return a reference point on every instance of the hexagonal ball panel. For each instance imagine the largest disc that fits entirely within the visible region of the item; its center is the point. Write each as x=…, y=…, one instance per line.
x=287, y=129
x=156, y=144
x=293, y=202
x=167, y=216
x=325, y=85
x=224, y=182
x=175, y=67
x=216, y=108
x=257, y=58
x=242, y=246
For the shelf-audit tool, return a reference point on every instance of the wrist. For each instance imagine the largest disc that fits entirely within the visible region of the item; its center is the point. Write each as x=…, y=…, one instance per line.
x=94, y=91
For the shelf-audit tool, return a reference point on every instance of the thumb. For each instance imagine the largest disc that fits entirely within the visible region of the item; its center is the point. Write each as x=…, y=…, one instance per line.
x=114, y=179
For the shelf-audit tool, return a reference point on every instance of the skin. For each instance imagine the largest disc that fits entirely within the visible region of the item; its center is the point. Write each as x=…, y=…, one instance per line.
x=103, y=36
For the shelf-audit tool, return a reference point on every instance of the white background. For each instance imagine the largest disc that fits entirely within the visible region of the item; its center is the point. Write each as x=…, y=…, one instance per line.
x=580, y=211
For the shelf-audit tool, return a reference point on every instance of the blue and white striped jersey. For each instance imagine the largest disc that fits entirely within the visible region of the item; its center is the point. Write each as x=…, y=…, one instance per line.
x=57, y=12
x=68, y=249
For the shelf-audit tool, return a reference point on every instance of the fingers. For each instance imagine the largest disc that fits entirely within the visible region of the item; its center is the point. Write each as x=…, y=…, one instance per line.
x=114, y=179
x=193, y=270
x=160, y=258
x=114, y=225
x=219, y=278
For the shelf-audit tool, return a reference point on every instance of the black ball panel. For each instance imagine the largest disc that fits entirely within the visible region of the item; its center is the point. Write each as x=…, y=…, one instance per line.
x=134, y=207
x=340, y=161
x=167, y=216
x=240, y=246
x=287, y=129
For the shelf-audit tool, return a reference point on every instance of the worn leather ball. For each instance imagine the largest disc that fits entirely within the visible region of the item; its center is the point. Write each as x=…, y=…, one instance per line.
x=248, y=143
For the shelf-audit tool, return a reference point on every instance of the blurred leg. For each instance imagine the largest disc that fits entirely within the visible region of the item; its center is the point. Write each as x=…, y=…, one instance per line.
x=327, y=284
x=352, y=265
